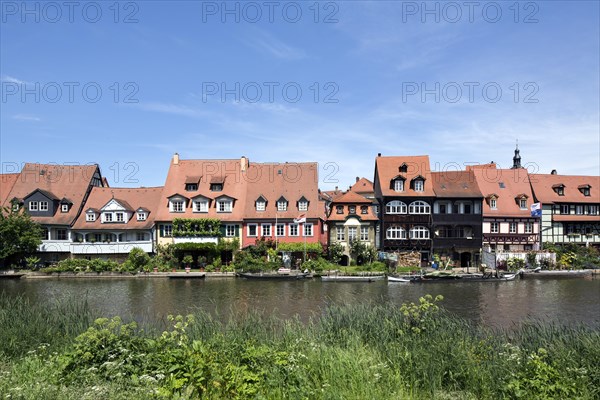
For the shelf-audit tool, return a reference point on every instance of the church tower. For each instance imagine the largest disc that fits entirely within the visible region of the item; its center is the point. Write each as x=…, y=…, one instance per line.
x=517, y=158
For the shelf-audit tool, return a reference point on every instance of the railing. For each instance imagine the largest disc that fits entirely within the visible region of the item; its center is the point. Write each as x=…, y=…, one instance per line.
x=54, y=246
x=109, y=248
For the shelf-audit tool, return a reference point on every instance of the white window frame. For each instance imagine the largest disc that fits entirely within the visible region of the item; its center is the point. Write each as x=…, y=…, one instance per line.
x=419, y=232
x=167, y=230
x=282, y=206
x=260, y=206
x=419, y=185
x=340, y=234
x=493, y=204
x=296, y=228
x=395, y=207
x=266, y=230
x=308, y=229
x=528, y=227
x=578, y=209
x=352, y=233
x=364, y=233
x=108, y=217
x=120, y=217
x=494, y=227
x=395, y=233
x=303, y=206
x=224, y=206
x=177, y=206
x=398, y=185
x=229, y=230
x=90, y=217
x=200, y=206
x=142, y=235
x=280, y=230
x=248, y=233
x=64, y=208
x=43, y=206
x=33, y=206
x=141, y=216
x=513, y=227
x=523, y=204
x=419, y=207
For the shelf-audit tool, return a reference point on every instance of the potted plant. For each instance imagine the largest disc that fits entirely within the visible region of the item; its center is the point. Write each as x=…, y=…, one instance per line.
x=188, y=260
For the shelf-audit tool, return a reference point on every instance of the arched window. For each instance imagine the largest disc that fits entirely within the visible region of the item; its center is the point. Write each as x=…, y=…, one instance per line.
x=395, y=232
x=419, y=232
x=419, y=207
x=395, y=207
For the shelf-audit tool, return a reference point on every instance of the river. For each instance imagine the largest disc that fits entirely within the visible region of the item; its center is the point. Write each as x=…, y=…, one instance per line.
x=498, y=304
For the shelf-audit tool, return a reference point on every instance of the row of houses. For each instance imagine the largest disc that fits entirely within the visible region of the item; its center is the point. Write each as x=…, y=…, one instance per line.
x=406, y=208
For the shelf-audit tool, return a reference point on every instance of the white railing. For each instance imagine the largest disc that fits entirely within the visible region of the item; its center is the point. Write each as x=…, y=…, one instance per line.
x=54, y=246
x=214, y=240
x=523, y=256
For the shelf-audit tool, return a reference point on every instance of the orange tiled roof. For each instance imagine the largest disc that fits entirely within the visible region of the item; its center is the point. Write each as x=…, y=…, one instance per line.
x=388, y=168
x=130, y=198
x=455, y=184
x=506, y=185
x=362, y=185
x=543, y=188
x=7, y=182
x=70, y=181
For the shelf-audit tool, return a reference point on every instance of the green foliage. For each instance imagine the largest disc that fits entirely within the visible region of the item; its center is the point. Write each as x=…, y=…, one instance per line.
x=187, y=260
x=515, y=263
x=362, y=252
x=138, y=260
x=210, y=248
x=228, y=244
x=377, y=266
x=19, y=234
x=318, y=265
x=32, y=262
x=196, y=227
x=572, y=256
x=335, y=252
x=420, y=318
x=83, y=265
x=297, y=247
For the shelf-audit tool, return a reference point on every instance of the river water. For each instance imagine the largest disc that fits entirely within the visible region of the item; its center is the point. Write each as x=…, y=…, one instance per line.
x=498, y=304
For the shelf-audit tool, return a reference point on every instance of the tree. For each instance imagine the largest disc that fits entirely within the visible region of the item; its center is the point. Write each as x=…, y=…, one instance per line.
x=335, y=252
x=19, y=235
x=362, y=252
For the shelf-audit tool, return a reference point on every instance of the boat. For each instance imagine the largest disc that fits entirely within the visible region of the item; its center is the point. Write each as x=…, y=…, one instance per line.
x=270, y=276
x=187, y=275
x=395, y=279
x=352, y=278
x=11, y=275
x=450, y=277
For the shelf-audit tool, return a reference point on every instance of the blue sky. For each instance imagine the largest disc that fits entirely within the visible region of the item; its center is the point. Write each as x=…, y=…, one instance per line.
x=388, y=76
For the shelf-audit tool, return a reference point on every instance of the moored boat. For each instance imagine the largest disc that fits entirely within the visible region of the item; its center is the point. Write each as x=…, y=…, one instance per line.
x=395, y=279
x=352, y=278
x=187, y=275
x=274, y=276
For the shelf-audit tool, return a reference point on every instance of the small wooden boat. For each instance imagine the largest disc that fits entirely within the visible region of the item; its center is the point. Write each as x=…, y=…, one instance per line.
x=187, y=275
x=395, y=279
x=11, y=275
x=352, y=278
x=269, y=276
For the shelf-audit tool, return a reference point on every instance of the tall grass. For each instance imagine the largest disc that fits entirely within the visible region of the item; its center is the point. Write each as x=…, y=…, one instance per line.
x=374, y=351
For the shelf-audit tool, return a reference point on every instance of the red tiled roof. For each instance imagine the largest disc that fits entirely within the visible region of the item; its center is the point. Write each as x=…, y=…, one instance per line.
x=6, y=184
x=455, y=184
x=506, y=185
x=70, y=181
x=130, y=198
x=543, y=185
x=387, y=168
x=363, y=185
x=352, y=198
x=575, y=218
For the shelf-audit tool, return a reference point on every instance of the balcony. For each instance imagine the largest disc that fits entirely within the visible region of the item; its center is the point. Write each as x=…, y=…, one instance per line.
x=407, y=244
x=424, y=219
x=54, y=246
x=458, y=219
x=109, y=247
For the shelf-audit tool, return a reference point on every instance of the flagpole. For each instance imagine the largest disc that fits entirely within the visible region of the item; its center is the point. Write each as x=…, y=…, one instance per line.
x=304, y=229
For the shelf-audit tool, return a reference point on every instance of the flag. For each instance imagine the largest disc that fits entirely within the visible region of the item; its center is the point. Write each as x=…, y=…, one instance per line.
x=301, y=219
x=536, y=210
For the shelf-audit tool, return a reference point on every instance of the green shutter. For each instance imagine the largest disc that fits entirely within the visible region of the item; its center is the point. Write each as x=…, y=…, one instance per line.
x=223, y=230
x=237, y=231
x=162, y=230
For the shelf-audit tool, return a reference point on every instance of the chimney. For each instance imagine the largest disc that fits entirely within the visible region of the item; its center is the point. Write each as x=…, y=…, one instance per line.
x=336, y=188
x=378, y=154
x=357, y=179
x=176, y=159
x=243, y=163
x=553, y=172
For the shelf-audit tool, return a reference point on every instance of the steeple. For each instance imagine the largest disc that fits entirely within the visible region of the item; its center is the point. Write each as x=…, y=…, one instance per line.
x=517, y=158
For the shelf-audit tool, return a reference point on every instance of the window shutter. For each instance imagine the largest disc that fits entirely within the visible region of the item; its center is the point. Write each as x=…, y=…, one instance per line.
x=162, y=230
x=237, y=230
x=222, y=229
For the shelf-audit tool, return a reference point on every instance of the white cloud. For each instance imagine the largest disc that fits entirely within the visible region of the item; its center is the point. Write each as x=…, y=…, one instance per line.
x=26, y=117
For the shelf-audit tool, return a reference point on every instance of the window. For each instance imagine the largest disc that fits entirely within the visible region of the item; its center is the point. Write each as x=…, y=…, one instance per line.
x=395, y=207
x=493, y=204
x=528, y=227
x=140, y=236
x=467, y=208
x=141, y=216
x=364, y=209
x=376, y=209
x=419, y=207
x=419, y=232
x=512, y=227
x=280, y=230
x=90, y=217
x=64, y=208
x=339, y=209
x=398, y=185
x=494, y=227
x=252, y=230
x=579, y=210
x=351, y=233
x=564, y=209
x=108, y=217
x=560, y=190
x=364, y=233
x=593, y=210
x=229, y=230
x=45, y=233
x=395, y=232
x=43, y=206
x=445, y=232
x=119, y=217
x=260, y=206
x=303, y=206
x=224, y=206
x=266, y=230
x=585, y=191
x=168, y=230
x=308, y=229
x=419, y=185
x=216, y=187
x=177, y=206
x=61, y=234
x=443, y=208
x=200, y=206
x=340, y=234
x=523, y=204
x=294, y=230
x=33, y=206
x=282, y=206
x=351, y=209
x=191, y=187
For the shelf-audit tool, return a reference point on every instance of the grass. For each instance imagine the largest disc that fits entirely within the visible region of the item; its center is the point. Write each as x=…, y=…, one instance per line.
x=369, y=351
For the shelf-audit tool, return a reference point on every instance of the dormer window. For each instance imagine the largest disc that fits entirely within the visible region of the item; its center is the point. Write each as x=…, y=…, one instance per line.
x=559, y=189
x=351, y=209
x=108, y=217
x=120, y=217
x=90, y=217
x=64, y=208
x=282, y=204
x=403, y=168
x=216, y=187
x=177, y=206
x=303, y=206
x=398, y=185
x=364, y=209
x=419, y=185
x=141, y=216
x=191, y=187
x=493, y=204
x=224, y=205
x=339, y=209
x=43, y=206
x=585, y=190
x=200, y=206
x=33, y=206
x=523, y=204
x=260, y=205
